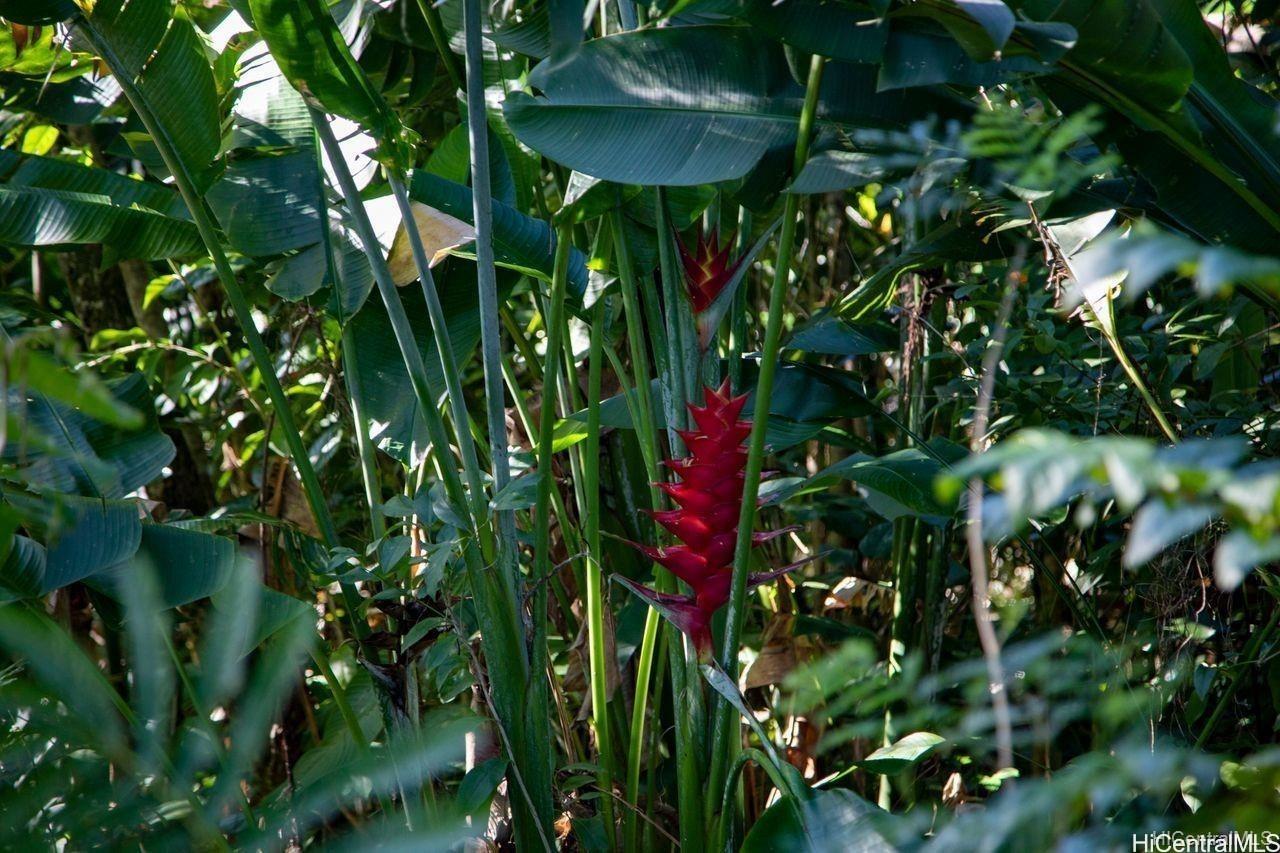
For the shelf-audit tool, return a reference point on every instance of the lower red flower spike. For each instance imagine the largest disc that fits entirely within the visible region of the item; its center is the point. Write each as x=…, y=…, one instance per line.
x=708, y=498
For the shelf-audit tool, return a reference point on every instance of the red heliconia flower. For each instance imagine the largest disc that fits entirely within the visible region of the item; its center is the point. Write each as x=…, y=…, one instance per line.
x=706, y=269
x=708, y=498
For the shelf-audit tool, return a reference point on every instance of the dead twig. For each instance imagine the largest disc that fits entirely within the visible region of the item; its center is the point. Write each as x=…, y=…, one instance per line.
x=978, y=563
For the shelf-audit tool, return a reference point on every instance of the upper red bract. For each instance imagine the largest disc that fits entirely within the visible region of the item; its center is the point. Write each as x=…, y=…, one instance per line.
x=706, y=269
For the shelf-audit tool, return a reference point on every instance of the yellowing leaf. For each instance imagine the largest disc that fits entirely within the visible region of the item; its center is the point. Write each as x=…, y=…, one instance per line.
x=440, y=234
x=39, y=139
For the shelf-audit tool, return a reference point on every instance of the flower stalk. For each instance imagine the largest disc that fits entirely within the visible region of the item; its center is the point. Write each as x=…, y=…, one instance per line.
x=725, y=722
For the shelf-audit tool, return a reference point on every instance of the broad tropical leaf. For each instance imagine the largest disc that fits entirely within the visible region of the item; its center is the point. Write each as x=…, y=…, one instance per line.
x=165, y=60
x=70, y=451
x=313, y=55
x=708, y=111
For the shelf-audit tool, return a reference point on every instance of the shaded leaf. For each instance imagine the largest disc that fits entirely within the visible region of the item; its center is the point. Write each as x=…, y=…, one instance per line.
x=1239, y=553
x=1157, y=525
x=718, y=100
x=832, y=820
x=903, y=753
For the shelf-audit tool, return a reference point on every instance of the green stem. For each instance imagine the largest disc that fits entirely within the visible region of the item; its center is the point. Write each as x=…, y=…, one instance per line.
x=572, y=538
x=1108, y=327
x=737, y=327
x=345, y=710
x=648, y=436
x=543, y=564
x=208, y=231
x=675, y=390
x=595, y=582
x=441, y=40
x=725, y=722
x=448, y=361
x=206, y=727
x=487, y=281
x=627, y=14
x=740, y=762
x=635, y=747
x=1249, y=655
x=686, y=686
x=518, y=337
x=648, y=433
x=500, y=629
x=400, y=326
x=364, y=445
x=351, y=366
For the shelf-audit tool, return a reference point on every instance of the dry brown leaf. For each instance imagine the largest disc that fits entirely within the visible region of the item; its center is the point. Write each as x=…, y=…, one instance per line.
x=953, y=793
x=772, y=665
x=285, y=498
x=577, y=675
x=440, y=234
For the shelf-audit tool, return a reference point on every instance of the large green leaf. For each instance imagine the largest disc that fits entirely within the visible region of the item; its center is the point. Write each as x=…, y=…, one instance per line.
x=981, y=26
x=166, y=61
x=531, y=35
x=37, y=11
x=189, y=565
x=268, y=205
x=269, y=112
x=53, y=203
x=832, y=29
x=312, y=54
x=905, y=752
x=394, y=420
x=105, y=543
x=1121, y=43
x=53, y=660
x=78, y=101
x=29, y=170
x=830, y=335
x=82, y=536
x=22, y=570
x=688, y=105
x=275, y=611
x=302, y=274
x=897, y=484
x=78, y=453
x=958, y=238
x=42, y=376
x=852, y=160
x=1145, y=254
x=827, y=820
x=1217, y=172
x=921, y=59
x=805, y=398
x=1240, y=120
x=33, y=216
x=1177, y=114
x=1157, y=525
x=521, y=243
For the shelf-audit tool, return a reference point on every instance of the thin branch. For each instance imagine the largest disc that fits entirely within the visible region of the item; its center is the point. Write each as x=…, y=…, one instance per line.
x=978, y=564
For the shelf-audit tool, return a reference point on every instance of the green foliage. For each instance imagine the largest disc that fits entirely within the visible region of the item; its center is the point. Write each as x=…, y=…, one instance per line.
x=109, y=770
x=313, y=56
x=267, y=581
